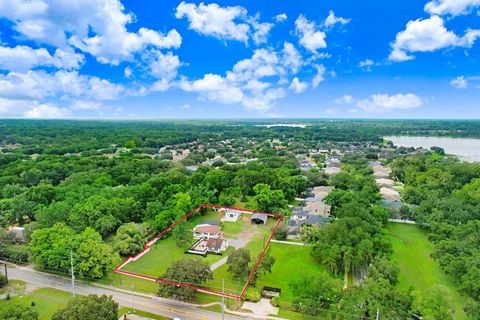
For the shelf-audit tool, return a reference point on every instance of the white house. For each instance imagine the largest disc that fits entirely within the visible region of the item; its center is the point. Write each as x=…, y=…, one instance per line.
x=231, y=215
x=207, y=231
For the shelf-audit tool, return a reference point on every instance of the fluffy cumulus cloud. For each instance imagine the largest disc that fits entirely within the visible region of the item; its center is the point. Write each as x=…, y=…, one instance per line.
x=346, y=99
x=33, y=92
x=366, y=64
x=298, y=86
x=332, y=20
x=427, y=35
x=451, y=7
x=310, y=36
x=385, y=102
x=30, y=109
x=257, y=82
x=281, y=17
x=319, y=75
x=24, y=58
x=225, y=23
x=463, y=82
x=459, y=82
x=97, y=27
x=213, y=20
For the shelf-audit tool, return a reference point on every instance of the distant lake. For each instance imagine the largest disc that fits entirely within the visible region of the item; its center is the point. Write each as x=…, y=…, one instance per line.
x=464, y=148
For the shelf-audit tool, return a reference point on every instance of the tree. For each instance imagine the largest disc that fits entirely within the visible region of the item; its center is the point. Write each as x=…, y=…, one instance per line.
x=91, y=307
x=51, y=247
x=315, y=294
x=435, y=305
x=129, y=239
x=190, y=271
x=269, y=200
x=238, y=263
x=182, y=234
x=17, y=312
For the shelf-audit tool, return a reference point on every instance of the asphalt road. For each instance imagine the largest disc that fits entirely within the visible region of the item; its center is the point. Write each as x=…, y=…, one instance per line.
x=156, y=305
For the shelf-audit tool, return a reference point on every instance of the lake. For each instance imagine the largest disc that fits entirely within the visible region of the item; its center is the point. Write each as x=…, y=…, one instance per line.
x=465, y=149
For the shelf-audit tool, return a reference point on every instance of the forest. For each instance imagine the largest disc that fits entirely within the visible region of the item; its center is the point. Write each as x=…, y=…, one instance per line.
x=96, y=191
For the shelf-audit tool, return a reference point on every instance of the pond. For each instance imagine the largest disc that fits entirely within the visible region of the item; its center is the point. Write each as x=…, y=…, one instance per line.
x=466, y=149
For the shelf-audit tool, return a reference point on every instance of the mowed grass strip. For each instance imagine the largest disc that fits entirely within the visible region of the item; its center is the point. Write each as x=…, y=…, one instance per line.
x=412, y=250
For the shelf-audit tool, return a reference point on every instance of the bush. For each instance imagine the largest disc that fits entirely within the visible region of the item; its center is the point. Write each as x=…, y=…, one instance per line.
x=282, y=232
x=252, y=295
x=3, y=280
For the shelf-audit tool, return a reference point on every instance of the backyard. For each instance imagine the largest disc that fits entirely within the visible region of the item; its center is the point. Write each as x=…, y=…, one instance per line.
x=164, y=252
x=412, y=251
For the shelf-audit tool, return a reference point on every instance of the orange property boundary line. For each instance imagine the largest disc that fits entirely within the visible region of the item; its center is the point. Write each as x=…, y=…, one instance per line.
x=146, y=249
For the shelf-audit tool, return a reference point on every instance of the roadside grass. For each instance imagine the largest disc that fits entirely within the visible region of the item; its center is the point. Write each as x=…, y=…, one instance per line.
x=47, y=301
x=411, y=250
x=123, y=310
x=14, y=287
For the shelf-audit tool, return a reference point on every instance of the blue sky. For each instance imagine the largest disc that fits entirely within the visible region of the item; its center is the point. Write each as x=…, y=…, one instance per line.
x=239, y=59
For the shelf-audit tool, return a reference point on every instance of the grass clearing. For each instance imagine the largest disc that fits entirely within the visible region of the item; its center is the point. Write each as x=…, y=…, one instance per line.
x=47, y=301
x=412, y=250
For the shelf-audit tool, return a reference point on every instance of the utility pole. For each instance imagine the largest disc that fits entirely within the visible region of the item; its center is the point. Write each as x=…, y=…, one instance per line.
x=73, y=275
x=378, y=315
x=223, y=299
x=6, y=272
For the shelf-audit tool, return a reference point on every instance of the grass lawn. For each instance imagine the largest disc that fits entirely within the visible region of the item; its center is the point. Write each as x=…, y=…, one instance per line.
x=412, y=251
x=47, y=301
x=291, y=263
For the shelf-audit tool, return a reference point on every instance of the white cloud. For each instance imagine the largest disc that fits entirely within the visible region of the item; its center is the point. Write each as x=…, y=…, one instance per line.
x=451, y=7
x=385, y=102
x=310, y=36
x=332, y=20
x=256, y=83
x=47, y=111
x=127, y=72
x=98, y=27
x=346, y=99
x=298, y=86
x=16, y=108
x=24, y=58
x=86, y=105
x=224, y=23
x=366, y=64
x=37, y=85
x=428, y=35
x=319, y=76
x=459, y=82
x=281, y=17
x=261, y=30
x=215, y=88
x=164, y=66
x=291, y=57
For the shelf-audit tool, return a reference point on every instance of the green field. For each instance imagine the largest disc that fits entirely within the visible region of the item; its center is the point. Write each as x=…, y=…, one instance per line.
x=412, y=251
x=47, y=301
x=291, y=263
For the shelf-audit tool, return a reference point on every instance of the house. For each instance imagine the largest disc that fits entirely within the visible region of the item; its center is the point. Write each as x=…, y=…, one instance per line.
x=259, y=218
x=317, y=208
x=321, y=192
x=206, y=231
x=231, y=215
x=216, y=245
x=389, y=194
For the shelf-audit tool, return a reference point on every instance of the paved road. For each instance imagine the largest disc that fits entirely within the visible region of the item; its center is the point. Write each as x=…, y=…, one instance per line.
x=156, y=305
